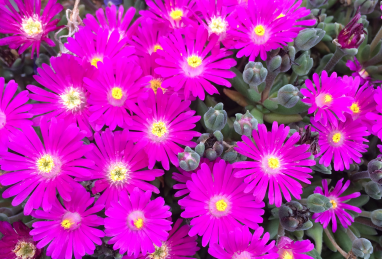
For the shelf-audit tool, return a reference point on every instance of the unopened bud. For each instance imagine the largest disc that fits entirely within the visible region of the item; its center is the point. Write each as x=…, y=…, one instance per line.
x=376, y=217
x=294, y=216
x=254, y=74
x=362, y=248
x=188, y=160
x=288, y=96
x=304, y=64
x=373, y=189
x=215, y=118
x=211, y=145
x=375, y=170
x=274, y=63
x=317, y=3
x=308, y=38
x=318, y=203
x=245, y=124
x=366, y=6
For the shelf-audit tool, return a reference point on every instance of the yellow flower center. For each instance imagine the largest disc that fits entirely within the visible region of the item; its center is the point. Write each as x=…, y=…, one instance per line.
x=328, y=98
x=287, y=255
x=94, y=61
x=116, y=92
x=160, y=252
x=155, y=84
x=45, y=164
x=259, y=30
x=355, y=108
x=159, y=129
x=31, y=27
x=156, y=47
x=71, y=99
x=138, y=223
x=118, y=173
x=273, y=163
x=24, y=250
x=66, y=224
x=221, y=205
x=280, y=16
x=334, y=204
x=218, y=25
x=176, y=14
x=194, y=61
x=336, y=137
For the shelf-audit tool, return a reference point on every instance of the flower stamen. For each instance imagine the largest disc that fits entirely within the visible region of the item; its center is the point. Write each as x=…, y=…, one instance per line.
x=138, y=223
x=328, y=98
x=45, y=164
x=31, y=26
x=116, y=92
x=334, y=203
x=176, y=14
x=156, y=47
x=95, y=60
x=66, y=223
x=355, y=108
x=218, y=25
x=159, y=129
x=259, y=30
x=118, y=173
x=24, y=250
x=194, y=61
x=273, y=163
x=221, y=205
x=71, y=99
x=336, y=137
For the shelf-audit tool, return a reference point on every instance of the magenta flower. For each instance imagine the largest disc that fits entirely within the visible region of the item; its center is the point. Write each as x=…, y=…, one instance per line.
x=17, y=242
x=137, y=224
x=353, y=34
x=39, y=169
x=95, y=48
x=171, y=12
x=241, y=244
x=217, y=203
x=67, y=98
x=114, y=90
x=339, y=205
x=287, y=248
x=27, y=25
x=262, y=27
x=14, y=112
x=113, y=20
x=69, y=229
x=375, y=116
x=292, y=10
x=278, y=163
x=341, y=144
x=327, y=98
x=185, y=64
x=355, y=66
x=118, y=164
x=163, y=123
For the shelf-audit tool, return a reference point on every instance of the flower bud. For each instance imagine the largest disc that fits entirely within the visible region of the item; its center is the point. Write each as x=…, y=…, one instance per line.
x=304, y=64
x=375, y=170
x=352, y=36
x=308, y=38
x=365, y=6
x=215, y=118
x=376, y=217
x=274, y=63
x=288, y=96
x=294, y=216
x=42, y=59
x=373, y=189
x=318, y=203
x=362, y=248
x=213, y=145
x=245, y=124
x=317, y=3
x=254, y=74
x=287, y=57
x=188, y=160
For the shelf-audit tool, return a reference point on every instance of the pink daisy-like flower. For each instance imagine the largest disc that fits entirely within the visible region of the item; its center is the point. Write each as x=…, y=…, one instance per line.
x=67, y=98
x=113, y=91
x=327, y=97
x=287, y=248
x=39, y=169
x=292, y=10
x=16, y=242
x=217, y=203
x=278, y=164
x=69, y=229
x=355, y=66
x=163, y=122
x=13, y=113
x=117, y=166
x=171, y=12
x=27, y=25
x=95, y=48
x=363, y=99
x=341, y=144
x=241, y=244
x=185, y=63
x=113, y=20
x=375, y=116
x=339, y=205
x=137, y=223
x=262, y=27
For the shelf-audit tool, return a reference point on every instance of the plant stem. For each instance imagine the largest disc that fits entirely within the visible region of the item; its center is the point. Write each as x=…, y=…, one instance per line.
x=280, y=232
x=52, y=52
x=342, y=252
x=376, y=40
x=366, y=214
x=29, y=224
x=351, y=234
x=338, y=55
x=360, y=175
x=268, y=84
x=16, y=217
x=293, y=78
x=367, y=222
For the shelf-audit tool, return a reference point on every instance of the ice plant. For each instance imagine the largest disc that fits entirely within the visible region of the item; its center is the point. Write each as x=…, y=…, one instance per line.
x=114, y=91
x=342, y=143
x=13, y=113
x=353, y=34
x=327, y=98
x=27, y=26
x=113, y=20
x=288, y=249
x=118, y=164
x=217, y=203
x=355, y=66
x=278, y=165
x=95, y=48
x=163, y=123
x=17, y=242
x=186, y=66
x=240, y=243
x=70, y=229
x=339, y=205
x=137, y=224
x=40, y=168
x=67, y=97
x=375, y=116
